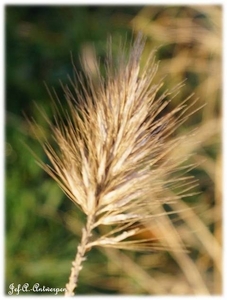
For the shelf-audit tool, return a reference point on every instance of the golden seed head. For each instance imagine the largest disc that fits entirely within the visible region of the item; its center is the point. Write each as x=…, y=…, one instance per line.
x=114, y=147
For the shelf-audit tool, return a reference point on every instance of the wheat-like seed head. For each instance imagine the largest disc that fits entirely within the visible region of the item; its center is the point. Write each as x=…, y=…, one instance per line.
x=114, y=148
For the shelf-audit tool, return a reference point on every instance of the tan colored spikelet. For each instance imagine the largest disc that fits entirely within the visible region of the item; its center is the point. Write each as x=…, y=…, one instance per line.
x=114, y=152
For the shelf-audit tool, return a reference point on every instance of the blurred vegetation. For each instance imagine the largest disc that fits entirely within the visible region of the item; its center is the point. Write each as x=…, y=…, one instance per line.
x=43, y=227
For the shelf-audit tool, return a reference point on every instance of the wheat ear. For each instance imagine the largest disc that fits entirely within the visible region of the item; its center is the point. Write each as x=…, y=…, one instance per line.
x=114, y=152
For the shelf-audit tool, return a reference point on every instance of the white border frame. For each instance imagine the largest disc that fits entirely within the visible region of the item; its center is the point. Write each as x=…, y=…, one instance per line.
x=2, y=127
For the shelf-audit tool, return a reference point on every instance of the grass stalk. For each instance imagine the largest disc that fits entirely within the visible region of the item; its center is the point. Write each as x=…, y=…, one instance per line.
x=114, y=153
x=80, y=257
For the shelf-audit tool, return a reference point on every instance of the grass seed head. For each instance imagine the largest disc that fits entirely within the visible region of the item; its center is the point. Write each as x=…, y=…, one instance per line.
x=113, y=147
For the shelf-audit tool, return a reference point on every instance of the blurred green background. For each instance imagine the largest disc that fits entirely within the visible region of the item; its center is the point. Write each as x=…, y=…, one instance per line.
x=42, y=226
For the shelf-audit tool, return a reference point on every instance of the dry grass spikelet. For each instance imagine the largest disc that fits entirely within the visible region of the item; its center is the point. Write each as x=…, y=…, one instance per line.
x=114, y=152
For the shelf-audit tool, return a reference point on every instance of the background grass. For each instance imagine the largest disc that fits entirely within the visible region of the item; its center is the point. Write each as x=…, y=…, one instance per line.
x=42, y=226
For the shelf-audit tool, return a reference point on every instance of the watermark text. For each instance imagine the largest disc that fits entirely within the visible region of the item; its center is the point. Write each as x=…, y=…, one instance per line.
x=35, y=288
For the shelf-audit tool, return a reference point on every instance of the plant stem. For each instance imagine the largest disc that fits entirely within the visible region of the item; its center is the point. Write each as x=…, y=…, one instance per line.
x=80, y=257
